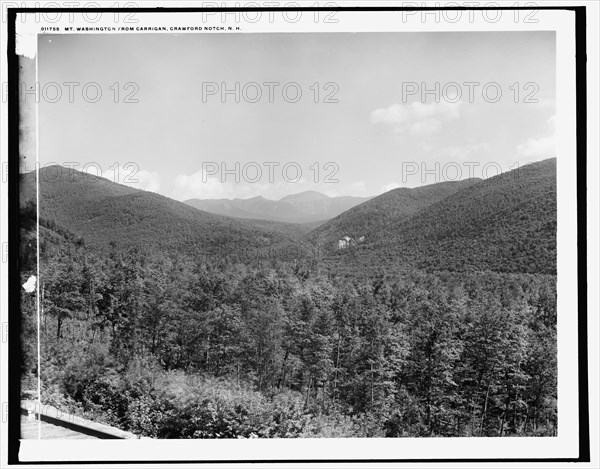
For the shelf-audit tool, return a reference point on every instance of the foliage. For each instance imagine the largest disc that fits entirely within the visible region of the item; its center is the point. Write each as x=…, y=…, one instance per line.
x=237, y=352
x=505, y=224
x=168, y=344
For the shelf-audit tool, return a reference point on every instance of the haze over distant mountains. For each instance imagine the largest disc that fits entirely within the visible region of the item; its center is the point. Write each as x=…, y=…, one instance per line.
x=304, y=207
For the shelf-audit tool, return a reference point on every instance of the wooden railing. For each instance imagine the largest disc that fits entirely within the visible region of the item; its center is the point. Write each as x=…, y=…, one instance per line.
x=55, y=416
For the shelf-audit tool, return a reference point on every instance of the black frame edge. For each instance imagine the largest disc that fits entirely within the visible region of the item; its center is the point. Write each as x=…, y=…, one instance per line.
x=14, y=292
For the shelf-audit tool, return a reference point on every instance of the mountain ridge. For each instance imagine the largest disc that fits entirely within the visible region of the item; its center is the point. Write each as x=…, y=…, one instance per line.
x=506, y=223
x=302, y=207
x=370, y=217
x=103, y=212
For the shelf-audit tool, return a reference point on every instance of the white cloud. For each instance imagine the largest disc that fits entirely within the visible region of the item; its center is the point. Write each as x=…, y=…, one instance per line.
x=133, y=177
x=419, y=119
x=218, y=186
x=389, y=187
x=146, y=180
x=357, y=188
x=425, y=127
x=465, y=151
x=393, y=115
x=543, y=146
x=203, y=186
x=211, y=185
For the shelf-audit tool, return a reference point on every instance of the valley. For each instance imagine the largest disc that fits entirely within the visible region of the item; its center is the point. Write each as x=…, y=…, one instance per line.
x=436, y=317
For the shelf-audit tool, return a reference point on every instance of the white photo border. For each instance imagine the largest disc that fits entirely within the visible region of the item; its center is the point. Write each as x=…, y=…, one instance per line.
x=566, y=446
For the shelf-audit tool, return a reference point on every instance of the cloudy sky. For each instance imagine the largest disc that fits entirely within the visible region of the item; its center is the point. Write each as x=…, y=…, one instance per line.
x=360, y=126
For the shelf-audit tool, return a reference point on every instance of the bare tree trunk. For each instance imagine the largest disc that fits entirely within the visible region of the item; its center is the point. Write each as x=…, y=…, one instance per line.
x=308, y=391
x=372, y=383
x=487, y=395
x=337, y=364
x=504, y=417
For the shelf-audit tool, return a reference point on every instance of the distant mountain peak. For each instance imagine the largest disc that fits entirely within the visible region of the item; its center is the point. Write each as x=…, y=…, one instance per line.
x=303, y=207
x=258, y=197
x=306, y=196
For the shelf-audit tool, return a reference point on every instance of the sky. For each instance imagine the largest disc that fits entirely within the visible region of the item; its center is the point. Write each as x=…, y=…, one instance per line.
x=167, y=119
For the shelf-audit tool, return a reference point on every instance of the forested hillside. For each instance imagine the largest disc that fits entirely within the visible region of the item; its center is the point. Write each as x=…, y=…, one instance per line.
x=446, y=326
x=371, y=218
x=506, y=223
x=103, y=213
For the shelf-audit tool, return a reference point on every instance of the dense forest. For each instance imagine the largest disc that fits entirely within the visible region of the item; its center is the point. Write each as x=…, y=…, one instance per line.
x=168, y=343
x=373, y=218
x=102, y=212
x=506, y=223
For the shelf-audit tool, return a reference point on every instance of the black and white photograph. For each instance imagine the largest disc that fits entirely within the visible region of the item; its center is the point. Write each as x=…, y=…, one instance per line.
x=299, y=235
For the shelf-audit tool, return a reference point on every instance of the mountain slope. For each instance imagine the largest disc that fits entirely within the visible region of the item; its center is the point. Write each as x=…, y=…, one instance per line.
x=505, y=224
x=102, y=212
x=371, y=218
x=305, y=207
